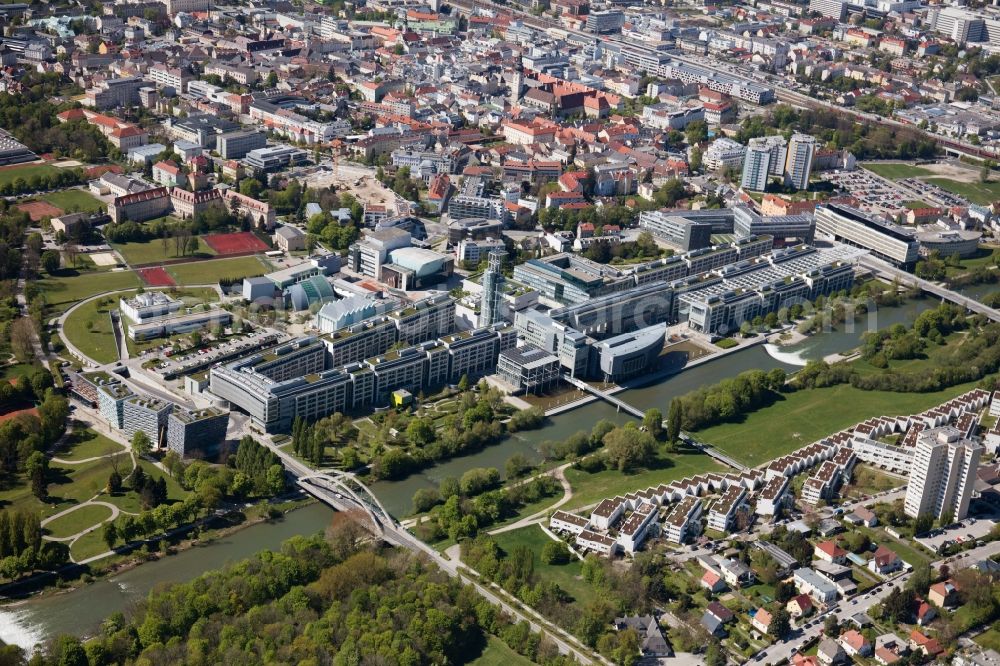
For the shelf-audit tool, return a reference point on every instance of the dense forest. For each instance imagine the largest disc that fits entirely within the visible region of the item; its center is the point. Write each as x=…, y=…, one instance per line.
x=336, y=600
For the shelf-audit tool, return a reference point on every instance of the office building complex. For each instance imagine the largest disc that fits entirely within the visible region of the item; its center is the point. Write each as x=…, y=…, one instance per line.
x=782, y=228
x=199, y=431
x=890, y=242
x=148, y=415
x=493, y=289
x=943, y=474
x=111, y=397
x=528, y=369
x=236, y=145
x=799, y=159
x=297, y=379
x=684, y=231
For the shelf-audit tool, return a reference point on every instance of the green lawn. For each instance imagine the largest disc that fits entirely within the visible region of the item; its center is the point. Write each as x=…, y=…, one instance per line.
x=89, y=328
x=130, y=502
x=78, y=520
x=69, y=286
x=977, y=193
x=154, y=251
x=74, y=200
x=68, y=485
x=83, y=444
x=990, y=639
x=567, y=576
x=208, y=272
x=88, y=545
x=896, y=170
x=913, y=205
x=592, y=488
x=869, y=481
x=498, y=654
x=16, y=370
x=805, y=416
x=907, y=550
x=26, y=171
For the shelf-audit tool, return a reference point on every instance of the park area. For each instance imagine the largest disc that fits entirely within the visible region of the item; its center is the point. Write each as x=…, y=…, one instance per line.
x=161, y=250
x=242, y=242
x=802, y=417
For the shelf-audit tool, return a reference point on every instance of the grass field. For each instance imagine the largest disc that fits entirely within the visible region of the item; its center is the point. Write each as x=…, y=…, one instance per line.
x=896, y=170
x=68, y=485
x=74, y=200
x=566, y=576
x=70, y=287
x=498, y=654
x=26, y=172
x=153, y=252
x=805, y=416
x=78, y=520
x=914, y=204
x=83, y=444
x=130, y=501
x=989, y=639
x=208, y=272
x=592, y=488
x=88, y=545
x=89, y=328
x=977, y=193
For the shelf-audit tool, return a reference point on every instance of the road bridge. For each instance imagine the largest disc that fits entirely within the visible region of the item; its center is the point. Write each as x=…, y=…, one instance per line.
x=886, y=270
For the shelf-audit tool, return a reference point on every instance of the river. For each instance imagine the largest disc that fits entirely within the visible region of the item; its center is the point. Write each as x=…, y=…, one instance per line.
x=81, y=613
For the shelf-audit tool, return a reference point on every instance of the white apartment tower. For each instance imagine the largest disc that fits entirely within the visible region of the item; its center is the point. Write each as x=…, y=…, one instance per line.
x=798, y=163
x=943, y=474
x=755, y=168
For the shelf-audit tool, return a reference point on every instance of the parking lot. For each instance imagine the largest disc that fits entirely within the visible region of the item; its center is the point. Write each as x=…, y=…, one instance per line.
x=970, y=529
x=874, y=194
x=934, y=193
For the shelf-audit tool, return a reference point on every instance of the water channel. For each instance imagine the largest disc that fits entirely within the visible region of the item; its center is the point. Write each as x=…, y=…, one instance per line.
x=82, y=611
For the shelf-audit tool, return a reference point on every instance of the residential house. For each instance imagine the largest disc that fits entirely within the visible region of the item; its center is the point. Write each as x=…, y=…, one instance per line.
x=862, y=516
x=829, y=652
x=921, y=643
x=943, y=594
x=885, y=561
x=854, y=643
x=829, y=551
x=720, y=612
x=799, y=606
x=712, y=582
x=761, y=620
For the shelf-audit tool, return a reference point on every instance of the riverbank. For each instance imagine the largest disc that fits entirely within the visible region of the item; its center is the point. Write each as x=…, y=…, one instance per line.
x=37, y=620
x=659, y=375
x=125, y=558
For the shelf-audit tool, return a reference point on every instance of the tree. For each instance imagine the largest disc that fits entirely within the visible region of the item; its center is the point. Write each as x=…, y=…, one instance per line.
x=831, y=627
x=463, y=383
x=653, y=422
x=628, y=447
x=923, y=524
x=420, y=432
x=251, y=187
x=114, y=482
x=37, y=469
x=714, y=656
x=555, y=552
x=50, y=261
x=110, y=535
x=674, y=419
x=141, y=445
x=192, y=245
x=22, y=332
x=780, y=624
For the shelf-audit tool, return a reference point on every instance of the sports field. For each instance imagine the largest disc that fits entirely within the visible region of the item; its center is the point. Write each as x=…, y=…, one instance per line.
x=36, y=210
x=156, y=277
x=235, y=243
x=210, y=272
x=158, y=251
x=25, y=172
x=75, y=200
